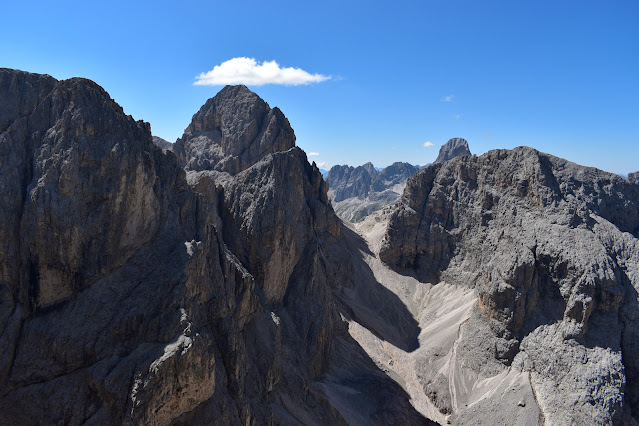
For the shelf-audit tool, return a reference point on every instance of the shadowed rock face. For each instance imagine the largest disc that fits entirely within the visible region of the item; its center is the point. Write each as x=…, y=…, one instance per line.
x=135, y=293
x=552, y=250
x=357, y=192
x=633, y=177
x=115, y=175
x=455, y=147
x=232, y=131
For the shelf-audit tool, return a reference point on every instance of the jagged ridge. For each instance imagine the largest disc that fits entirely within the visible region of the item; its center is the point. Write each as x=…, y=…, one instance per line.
x=551, y=248
x=357, y=192
x=136, y=293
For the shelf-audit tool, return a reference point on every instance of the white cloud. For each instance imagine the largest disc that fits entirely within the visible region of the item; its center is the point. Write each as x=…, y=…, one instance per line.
x=249, y=71
x=428, y=144
x=311, y=154
x=448, y=98
x=456, y=116
x=321, y=164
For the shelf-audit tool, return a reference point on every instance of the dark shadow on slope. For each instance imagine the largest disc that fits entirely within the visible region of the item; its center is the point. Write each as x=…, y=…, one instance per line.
x=124, y=316
x=630, y=346
x=549, y=306
x=354, y=385
x=619, y=331
x=371, y=304
x=315, y=342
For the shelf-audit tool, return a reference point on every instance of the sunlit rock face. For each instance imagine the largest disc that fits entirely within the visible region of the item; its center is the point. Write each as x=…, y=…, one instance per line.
x=135, y=292
x=551, y=249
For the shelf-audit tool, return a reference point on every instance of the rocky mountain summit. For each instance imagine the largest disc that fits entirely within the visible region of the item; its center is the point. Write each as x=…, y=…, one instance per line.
x=135, y=292
x=356, y=192
x=232, y=131
x=551, y=250
x=633, y=177
x=455, y=147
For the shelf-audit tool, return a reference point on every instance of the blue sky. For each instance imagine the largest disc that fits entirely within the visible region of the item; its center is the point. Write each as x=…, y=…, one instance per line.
x=560, y=76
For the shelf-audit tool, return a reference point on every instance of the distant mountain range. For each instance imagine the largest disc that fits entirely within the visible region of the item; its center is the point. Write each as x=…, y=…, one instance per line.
x=359, y=191
x=356, y=192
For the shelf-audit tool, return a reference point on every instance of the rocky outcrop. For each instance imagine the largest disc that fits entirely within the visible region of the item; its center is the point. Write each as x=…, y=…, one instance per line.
x=357, y=192
x=347, y=181
x=455, y=147
x=552, y=250
x=135, y=293
x=232, y=131
x=633, y=177
x=91, y=250
x=164, y=145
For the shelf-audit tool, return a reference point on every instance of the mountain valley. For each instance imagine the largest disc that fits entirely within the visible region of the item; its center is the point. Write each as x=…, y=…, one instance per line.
x=221, y=279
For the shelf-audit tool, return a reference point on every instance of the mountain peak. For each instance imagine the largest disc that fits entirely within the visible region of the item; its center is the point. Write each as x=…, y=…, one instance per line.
x=370, y=168
x=232, y=131
x=455, y=147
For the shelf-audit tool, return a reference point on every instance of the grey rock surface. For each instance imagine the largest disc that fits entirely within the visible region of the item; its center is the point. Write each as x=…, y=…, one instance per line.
x=455, y=147
x=134, y=292
x=634, y=177
x=163, y=144
x=551, y=248
x=348, y=182
x=356, y=192
x=232, y=131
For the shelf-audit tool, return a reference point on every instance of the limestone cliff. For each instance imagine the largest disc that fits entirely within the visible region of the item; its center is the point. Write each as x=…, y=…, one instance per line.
x=162, y=144
x=357, y=192
x=134, y=292
x=552, y=250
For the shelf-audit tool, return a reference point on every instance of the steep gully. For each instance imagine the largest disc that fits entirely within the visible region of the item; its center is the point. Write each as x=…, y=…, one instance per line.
x=422, y=358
